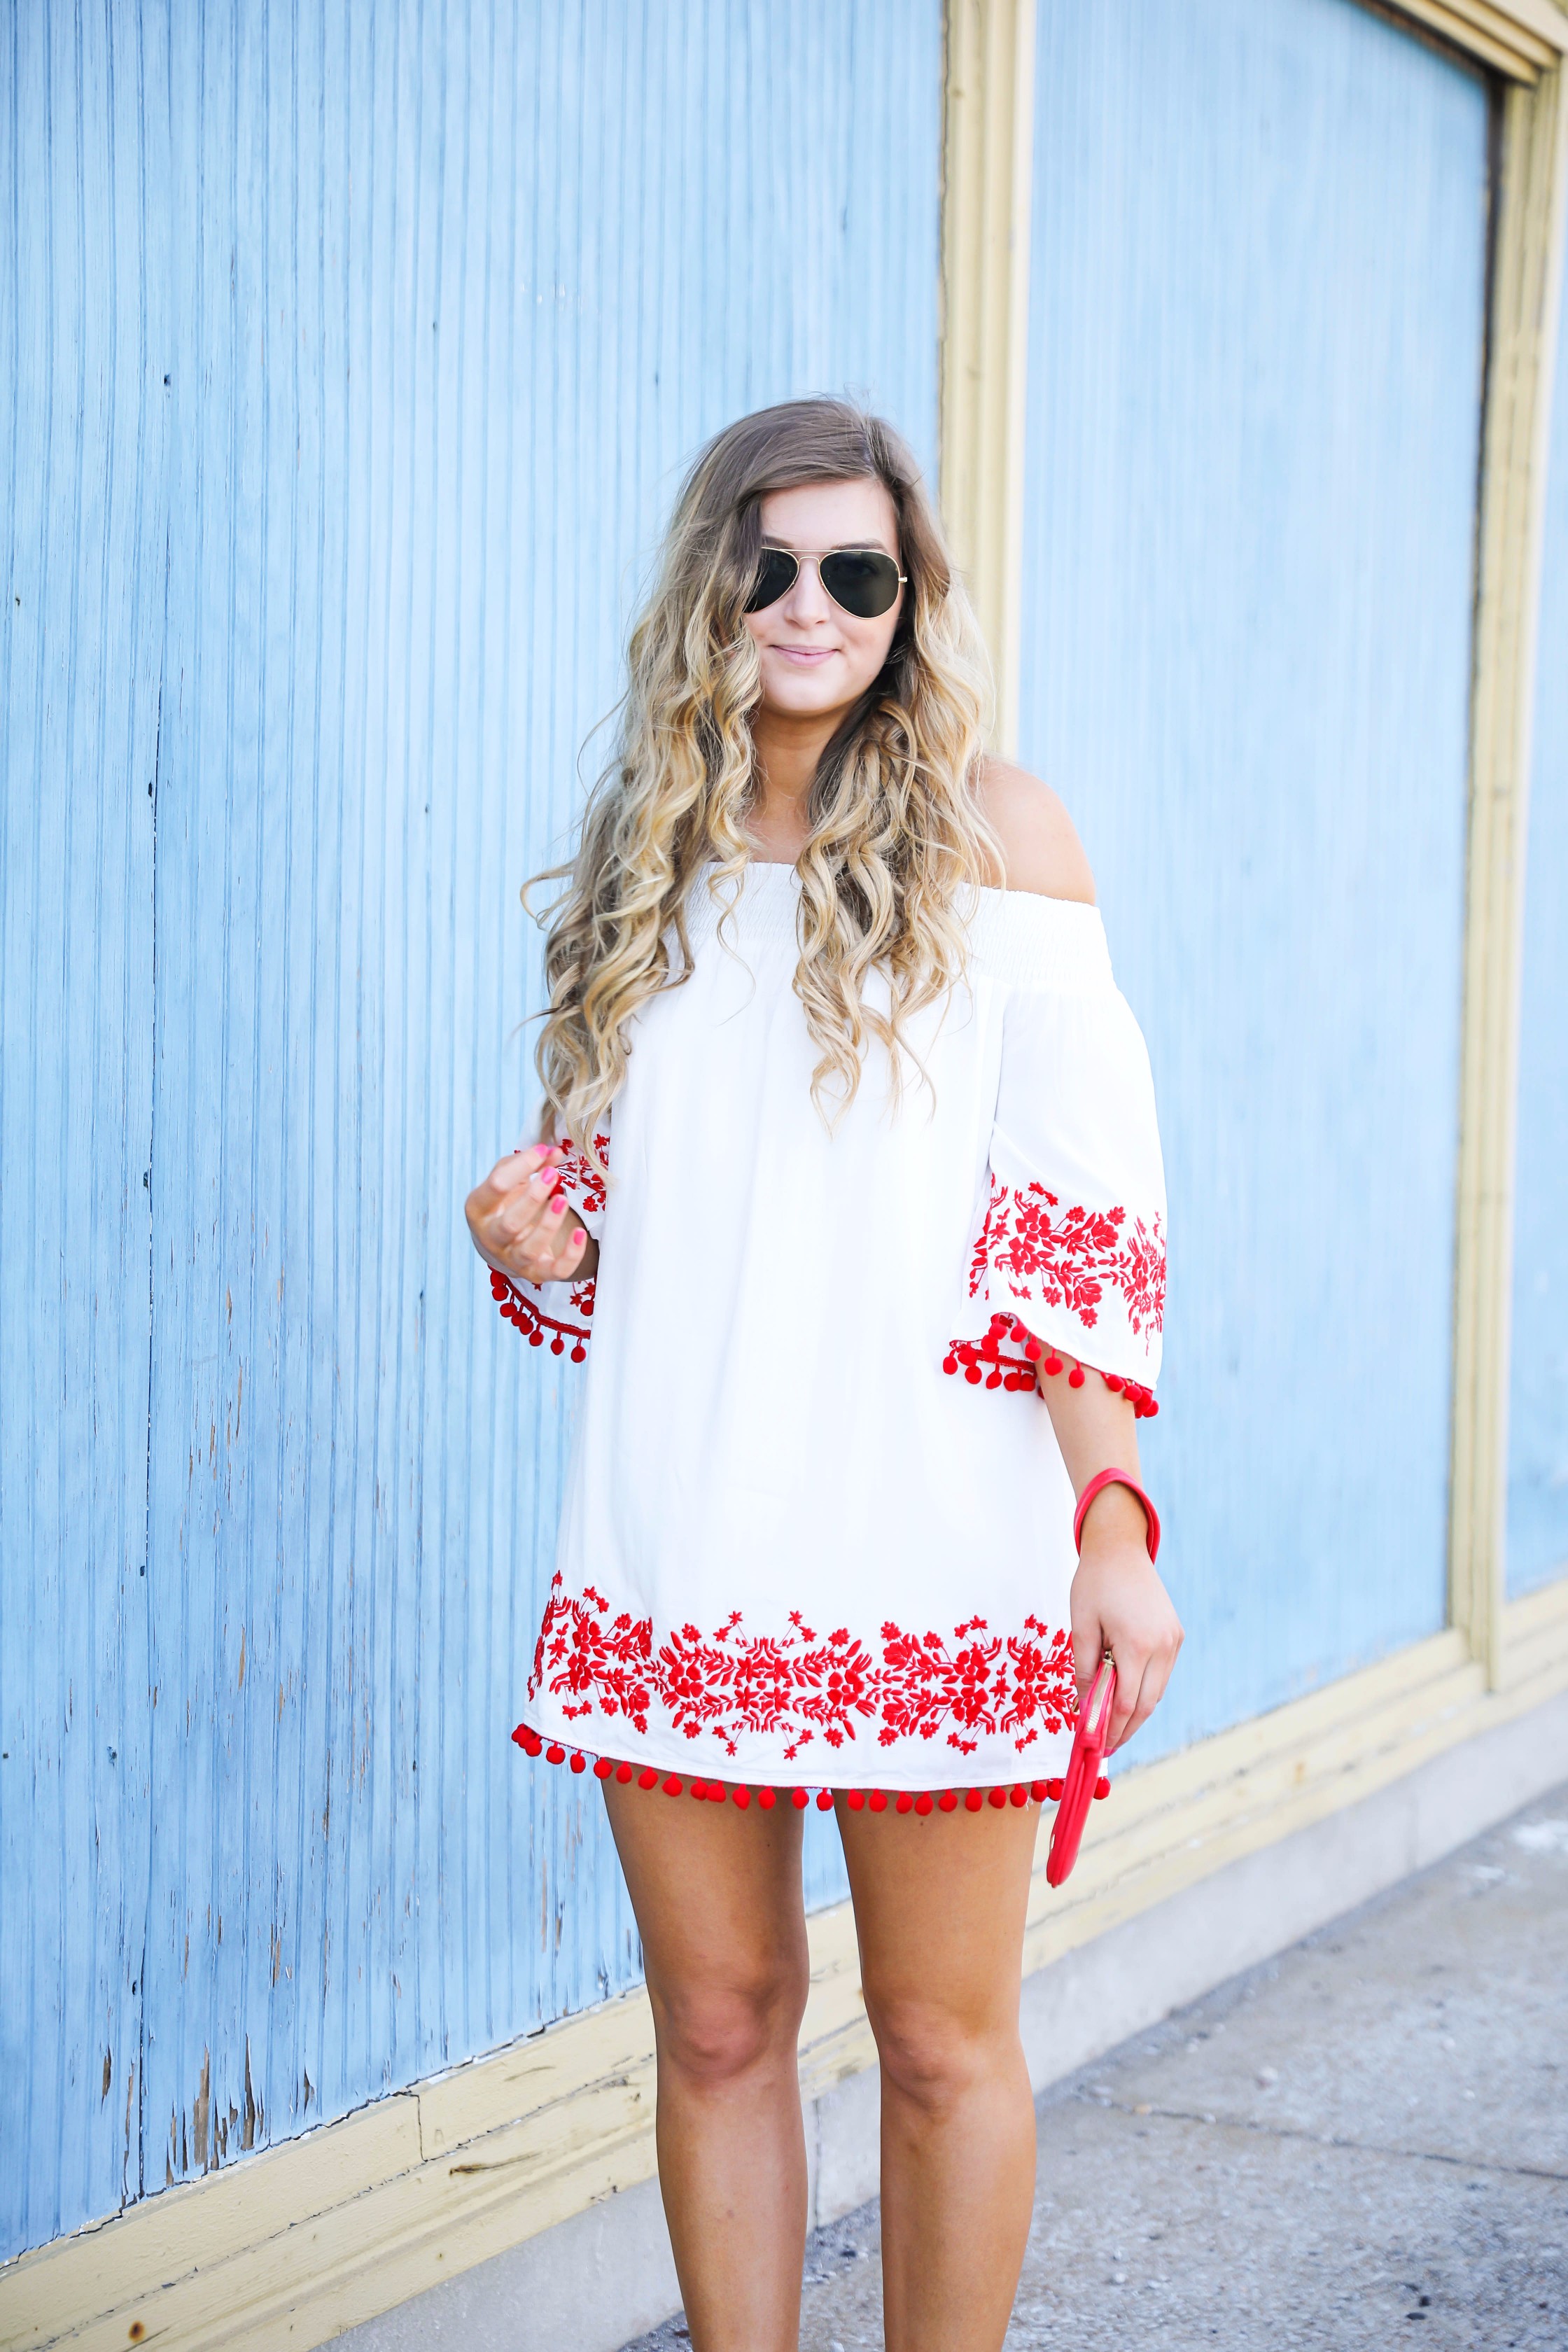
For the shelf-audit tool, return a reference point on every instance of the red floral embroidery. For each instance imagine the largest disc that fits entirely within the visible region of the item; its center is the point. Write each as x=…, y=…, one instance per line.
x=580, y=1179
x=1074, y=1261
x=729, y=1684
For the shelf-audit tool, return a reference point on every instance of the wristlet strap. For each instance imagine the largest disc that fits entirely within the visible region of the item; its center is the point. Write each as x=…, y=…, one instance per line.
x=1096, y=1485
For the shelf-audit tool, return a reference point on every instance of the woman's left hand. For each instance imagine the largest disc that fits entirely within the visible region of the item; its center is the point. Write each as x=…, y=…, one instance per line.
x=1120, y=1604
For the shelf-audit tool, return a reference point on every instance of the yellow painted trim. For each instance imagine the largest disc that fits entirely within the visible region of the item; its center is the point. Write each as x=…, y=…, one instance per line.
x=289, y=2247
x=1527, y=284
x=1521, y=38
x=988, y=146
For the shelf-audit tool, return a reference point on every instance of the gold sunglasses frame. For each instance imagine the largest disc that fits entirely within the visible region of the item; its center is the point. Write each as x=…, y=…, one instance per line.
x=800, y=558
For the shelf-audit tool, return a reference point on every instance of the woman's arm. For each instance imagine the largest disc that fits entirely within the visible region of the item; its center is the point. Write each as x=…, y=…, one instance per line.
x=1118, y=1601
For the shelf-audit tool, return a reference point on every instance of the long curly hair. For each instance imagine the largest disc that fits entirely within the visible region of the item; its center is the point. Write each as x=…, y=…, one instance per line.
x=899, y=842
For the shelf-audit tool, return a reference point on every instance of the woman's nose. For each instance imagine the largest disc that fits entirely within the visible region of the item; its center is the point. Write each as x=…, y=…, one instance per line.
x=807, y=599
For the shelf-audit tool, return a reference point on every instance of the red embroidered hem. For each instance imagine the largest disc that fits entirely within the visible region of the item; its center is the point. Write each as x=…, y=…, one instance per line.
x=986, y=1360
x=858, y=1799
x=731, y=1684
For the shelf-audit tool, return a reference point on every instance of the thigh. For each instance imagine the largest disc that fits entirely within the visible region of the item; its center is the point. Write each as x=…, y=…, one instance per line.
x=940, y=1906
x=717, y=1893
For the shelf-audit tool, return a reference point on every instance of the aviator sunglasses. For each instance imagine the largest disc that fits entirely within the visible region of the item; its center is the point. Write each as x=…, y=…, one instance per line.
x=860, y=580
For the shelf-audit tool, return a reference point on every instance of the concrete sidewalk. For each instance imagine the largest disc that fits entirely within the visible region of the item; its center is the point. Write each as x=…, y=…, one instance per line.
x=1363, y=2141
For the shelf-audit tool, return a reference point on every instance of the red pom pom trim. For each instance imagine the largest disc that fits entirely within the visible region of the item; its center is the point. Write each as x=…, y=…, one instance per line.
x=987, y=1360
x=920, y=1801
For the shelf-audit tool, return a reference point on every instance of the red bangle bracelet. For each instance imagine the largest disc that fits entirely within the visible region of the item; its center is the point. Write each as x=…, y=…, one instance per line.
x=1096, y=1485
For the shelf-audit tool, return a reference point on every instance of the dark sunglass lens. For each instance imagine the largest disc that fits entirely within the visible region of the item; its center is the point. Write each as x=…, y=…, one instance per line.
x=863, y=581
x=775, y=578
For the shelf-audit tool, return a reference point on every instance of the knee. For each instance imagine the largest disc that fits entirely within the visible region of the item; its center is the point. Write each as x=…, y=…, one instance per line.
x=715, y=2033
x=933, y=2058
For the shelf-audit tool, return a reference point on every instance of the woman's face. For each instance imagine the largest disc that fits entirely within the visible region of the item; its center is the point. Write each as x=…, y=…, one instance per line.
x=816, y=659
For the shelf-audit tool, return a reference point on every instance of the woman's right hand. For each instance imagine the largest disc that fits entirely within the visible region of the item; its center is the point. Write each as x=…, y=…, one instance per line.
x=519, y=1229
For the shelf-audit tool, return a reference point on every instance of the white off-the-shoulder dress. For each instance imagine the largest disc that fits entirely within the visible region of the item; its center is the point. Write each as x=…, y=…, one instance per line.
x=817, y=1533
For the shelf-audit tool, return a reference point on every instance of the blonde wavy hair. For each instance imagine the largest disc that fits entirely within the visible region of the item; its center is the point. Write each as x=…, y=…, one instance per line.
x=899, y=842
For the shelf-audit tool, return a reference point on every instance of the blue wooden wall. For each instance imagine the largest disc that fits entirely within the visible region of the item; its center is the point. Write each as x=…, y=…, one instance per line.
x=349, y=356
x=1537, y=1407
x=1258, y=278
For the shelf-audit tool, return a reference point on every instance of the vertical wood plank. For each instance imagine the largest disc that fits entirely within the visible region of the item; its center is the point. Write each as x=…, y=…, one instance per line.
x=987, y=162
x=82, y=412
x=1526, y=280
x=1537, y=1529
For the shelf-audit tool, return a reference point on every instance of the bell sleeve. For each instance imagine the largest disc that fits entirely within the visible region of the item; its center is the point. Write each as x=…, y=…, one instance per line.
x=560, y=1315
x=1067, y=1261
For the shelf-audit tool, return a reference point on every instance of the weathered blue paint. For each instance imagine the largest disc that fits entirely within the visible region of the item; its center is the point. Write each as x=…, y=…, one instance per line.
x=1259, y=265
x=349, y=356
x=83, y=424
x=1538, y=1402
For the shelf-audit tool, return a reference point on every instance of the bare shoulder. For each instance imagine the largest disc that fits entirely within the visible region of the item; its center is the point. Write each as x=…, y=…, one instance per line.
x=1037, y=839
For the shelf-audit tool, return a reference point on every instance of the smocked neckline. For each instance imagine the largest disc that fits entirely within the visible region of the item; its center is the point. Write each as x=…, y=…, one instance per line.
x=1016, y=937
x=1067, y=906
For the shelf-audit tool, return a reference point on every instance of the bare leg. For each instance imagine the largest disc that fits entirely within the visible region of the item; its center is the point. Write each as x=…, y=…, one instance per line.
x=939, y=1904
x=718, y=1899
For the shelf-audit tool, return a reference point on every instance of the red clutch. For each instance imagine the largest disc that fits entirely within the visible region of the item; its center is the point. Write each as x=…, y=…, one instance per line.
x=1083, y=1771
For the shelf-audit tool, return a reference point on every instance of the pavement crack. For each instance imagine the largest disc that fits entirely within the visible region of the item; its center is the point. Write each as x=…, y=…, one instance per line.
x=1206, y=2117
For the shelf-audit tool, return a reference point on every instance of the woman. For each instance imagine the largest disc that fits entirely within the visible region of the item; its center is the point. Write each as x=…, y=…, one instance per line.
x=852, y=1161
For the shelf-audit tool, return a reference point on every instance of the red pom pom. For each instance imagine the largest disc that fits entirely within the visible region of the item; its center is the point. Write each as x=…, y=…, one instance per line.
x=1112, y=1383
x=1053, y=1790
x=579, y=1761
x=856, y=1800
x=648, y=1778
x=623, y=1773
x=529, y=1741
x=998, y=1797
x=1053, y=1363
x=672, y=1787
x=603, y=1769
x=973, y=1800
x=950, y=1363
x=922, y=1803
x=579, y=1353
x=766, y=1798
x=1102, y=1787
x=699, y=1787
x=1039, y=1791
x=717, y=1792
x=824, y=1800
x=742, y=1797
x=499, y=1285
x=972, y=1374
x=905, y=1802
x=555, y=1753
x=799, y=1800
x=1019, y=1795
x=879, y=1800
x=1033, y=1350
x=948, y=1799
x=1074, y=1378
x=536, y=1337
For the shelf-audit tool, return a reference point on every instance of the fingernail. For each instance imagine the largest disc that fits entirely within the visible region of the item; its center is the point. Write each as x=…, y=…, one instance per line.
x=557, y=1205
